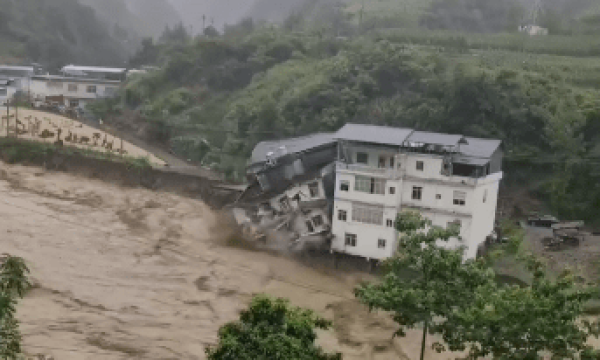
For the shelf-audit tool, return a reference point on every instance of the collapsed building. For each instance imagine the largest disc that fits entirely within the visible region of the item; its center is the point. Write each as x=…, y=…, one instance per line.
x=342, y=191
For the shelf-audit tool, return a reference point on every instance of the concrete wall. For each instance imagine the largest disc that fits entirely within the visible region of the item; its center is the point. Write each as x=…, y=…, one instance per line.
x=123, y=174
x=367, y=234
x=10, y=92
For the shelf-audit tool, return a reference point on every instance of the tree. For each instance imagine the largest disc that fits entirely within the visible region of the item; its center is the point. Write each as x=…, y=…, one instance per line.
x=424, y=283
x=13, y=284
x=271, y=329
x=512, y=322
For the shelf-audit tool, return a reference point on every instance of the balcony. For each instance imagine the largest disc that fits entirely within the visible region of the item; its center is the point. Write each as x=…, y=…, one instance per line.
x=369, y=170
x=457, y=180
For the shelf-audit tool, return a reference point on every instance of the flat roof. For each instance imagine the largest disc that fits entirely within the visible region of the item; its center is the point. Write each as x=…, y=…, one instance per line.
x=373, y=134
x=293, y=145
x=93, y=69
x=20, y=68
x=483, y=148
x=434, y=138
x=74, y=79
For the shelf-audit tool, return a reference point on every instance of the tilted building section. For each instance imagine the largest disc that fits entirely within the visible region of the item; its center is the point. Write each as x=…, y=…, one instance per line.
x=364, y=175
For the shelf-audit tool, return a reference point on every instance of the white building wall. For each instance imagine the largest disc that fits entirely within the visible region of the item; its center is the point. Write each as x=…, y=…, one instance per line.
x=367, y=235
x=387, y=199
x=40, y=89
x=7, y=93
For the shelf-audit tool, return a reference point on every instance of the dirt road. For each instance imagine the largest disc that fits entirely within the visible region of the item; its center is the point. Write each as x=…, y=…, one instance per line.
x=133, y=274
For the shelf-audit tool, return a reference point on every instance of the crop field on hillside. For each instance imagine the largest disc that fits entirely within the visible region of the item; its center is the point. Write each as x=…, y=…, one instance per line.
x=578, y=71
x=581, y=46
x=404, y=13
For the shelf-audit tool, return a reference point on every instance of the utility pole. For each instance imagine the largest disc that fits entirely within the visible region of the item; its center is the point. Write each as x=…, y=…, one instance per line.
x=7, y=115
x=362, y=11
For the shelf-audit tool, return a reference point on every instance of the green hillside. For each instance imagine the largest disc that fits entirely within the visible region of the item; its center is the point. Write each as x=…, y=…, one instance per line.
x=55, y=32
x=139, y=19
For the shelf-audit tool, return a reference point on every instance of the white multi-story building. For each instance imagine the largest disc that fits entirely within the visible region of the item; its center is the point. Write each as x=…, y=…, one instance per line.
x=381, y=171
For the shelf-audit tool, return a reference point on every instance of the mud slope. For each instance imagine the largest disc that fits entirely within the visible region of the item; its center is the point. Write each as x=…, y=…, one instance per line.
x=132, y=274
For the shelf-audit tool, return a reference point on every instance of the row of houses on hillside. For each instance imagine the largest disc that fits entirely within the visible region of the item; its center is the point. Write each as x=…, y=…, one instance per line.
x=74, y=87
x=365, y=175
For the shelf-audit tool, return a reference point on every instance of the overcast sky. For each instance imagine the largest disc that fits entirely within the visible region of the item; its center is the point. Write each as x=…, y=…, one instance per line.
x=222, y=11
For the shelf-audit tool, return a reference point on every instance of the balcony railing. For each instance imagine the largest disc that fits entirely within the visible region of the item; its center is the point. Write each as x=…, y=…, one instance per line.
x=382, y=172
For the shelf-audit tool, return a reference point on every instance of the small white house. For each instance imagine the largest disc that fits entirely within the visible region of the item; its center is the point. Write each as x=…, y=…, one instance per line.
x=75, y=92
x=95, y=72
x=8, y=90
x=533, y=30
x=19, y=76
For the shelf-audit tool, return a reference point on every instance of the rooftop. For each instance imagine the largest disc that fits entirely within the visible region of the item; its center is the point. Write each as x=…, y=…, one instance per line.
x=482, y=148
x=432, y=138
x=473, y=151
x=293, y=145
x=74, y=68
x=60, y=78
x=373, y=134
x=17, y=68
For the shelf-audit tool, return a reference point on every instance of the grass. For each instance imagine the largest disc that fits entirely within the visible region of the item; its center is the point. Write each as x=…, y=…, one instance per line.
x=19, y=150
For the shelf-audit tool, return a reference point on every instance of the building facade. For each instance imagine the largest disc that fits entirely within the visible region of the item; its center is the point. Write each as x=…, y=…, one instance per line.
x=8, y=89
x=380, y=171
x=71, y=91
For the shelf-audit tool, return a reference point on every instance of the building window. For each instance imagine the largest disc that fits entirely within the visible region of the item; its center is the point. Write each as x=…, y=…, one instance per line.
x=391, y=162
x=74, y=103
x=313, y=188
x=91, y=89
x=381, y=243
x=73, y=88
x=350, y=240
x=344, y=185
x=284, y=204
x=460, y=198
x=485, y=195
x=392, y=190
x=367, y=214
x=54, y=85
x=382, y=161
x=369, y=185
x=310, y=227
x=342, y=215
x=317, y=220
x=362, y=158
x=390, y=223
x=420, y=166
x=417, y=193
x=3, y=91
x=438, y=196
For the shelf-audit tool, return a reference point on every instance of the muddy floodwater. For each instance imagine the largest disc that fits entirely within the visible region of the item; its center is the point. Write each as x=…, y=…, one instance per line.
x=123, y=273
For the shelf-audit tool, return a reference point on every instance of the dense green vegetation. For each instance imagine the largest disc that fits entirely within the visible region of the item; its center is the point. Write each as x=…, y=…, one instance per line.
x=14, y=283
x=432, y=285
x=14, y=151
x=271, y=329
